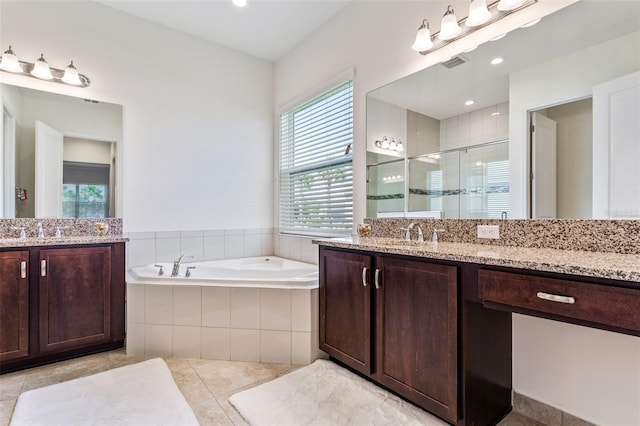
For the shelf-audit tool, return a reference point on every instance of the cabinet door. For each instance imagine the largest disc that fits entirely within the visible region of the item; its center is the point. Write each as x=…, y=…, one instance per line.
x=345, y=307
x=416, y=333
x=75, y=286
x=14, y=304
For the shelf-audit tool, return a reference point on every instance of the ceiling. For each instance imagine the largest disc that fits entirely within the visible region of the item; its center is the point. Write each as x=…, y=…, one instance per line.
x=440, y=92
x=267, y=29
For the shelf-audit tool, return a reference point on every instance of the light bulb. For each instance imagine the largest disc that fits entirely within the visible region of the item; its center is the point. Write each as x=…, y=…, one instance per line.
x=510, y=4
x=71, y=75
x=478, y=13
x=41, y=69
x=449, y=27
x=393, y=145
x=9, y=61
x=400, y=146
x=423, y=38
x=385, y=143
x=240, y=3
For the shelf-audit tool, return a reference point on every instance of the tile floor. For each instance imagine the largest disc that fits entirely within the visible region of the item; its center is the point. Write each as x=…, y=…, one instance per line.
x=205, y=384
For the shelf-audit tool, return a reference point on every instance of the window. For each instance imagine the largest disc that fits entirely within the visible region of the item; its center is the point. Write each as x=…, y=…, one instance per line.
x=316, y=180
x=85, y=190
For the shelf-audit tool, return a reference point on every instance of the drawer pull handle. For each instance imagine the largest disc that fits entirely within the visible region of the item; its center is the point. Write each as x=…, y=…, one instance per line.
x=376, y=280
x=364, y=276
x=23, y=269
x=43, y=268
x=556, y=298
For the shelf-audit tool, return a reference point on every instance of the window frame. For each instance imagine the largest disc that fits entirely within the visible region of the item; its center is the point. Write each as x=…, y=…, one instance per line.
x=301, y=101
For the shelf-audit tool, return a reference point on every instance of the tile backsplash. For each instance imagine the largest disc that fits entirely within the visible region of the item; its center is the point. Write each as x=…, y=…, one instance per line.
x=611, y=236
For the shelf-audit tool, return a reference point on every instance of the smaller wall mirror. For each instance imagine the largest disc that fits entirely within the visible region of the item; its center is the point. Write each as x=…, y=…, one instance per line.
x=60, y=155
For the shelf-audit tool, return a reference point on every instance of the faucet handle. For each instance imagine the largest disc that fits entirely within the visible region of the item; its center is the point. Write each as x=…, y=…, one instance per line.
x=188, y=273
x=23, y=233
x=160, y=271
x=435, y=234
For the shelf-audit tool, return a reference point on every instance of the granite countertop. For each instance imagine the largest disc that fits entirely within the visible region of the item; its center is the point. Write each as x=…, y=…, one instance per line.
x=61, y=241
x=615, y=266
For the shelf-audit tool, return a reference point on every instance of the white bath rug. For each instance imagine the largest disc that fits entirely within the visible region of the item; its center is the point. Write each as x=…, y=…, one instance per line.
x=324, y=393
x=137, y=394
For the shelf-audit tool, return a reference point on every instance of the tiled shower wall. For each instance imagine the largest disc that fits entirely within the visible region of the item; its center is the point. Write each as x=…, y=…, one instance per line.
x=165, y=246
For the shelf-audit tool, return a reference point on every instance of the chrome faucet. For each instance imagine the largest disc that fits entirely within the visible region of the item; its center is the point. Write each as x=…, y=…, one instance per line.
x=434, y=239
x=40, y=230
x=407, y=236
x=176, y=264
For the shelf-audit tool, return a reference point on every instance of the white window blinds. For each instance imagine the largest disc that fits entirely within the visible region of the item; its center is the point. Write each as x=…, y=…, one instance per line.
x=316, y=180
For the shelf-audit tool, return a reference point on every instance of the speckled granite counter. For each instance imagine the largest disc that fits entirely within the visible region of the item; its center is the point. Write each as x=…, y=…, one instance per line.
x=615, y=266
x=61, y=241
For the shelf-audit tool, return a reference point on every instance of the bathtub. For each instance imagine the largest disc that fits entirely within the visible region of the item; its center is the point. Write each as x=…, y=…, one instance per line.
x=254, y=272
x=260, y=309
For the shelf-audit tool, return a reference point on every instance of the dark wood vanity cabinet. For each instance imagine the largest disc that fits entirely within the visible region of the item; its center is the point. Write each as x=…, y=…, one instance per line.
x=14, y=304
x=71, y=303
x=74, y=289
x=400, y=313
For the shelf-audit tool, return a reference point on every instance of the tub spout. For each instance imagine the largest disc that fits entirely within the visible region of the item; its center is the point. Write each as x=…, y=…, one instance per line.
x=176, y=264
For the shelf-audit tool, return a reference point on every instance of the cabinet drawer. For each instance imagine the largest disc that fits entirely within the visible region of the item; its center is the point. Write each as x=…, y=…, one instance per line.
x=611, y=306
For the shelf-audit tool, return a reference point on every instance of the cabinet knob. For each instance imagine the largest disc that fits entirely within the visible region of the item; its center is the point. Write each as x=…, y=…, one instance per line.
x=376, y=279
x=364, y=276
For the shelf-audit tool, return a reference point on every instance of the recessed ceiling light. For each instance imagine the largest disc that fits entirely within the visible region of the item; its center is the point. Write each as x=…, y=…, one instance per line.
x=469, y=102
x=498, y=37
x=496, y=61
x=532, y=23
x=240, y=3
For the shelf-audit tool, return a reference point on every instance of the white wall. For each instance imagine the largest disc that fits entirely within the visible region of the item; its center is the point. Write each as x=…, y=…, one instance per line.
x=198, y=118
x=375, y=38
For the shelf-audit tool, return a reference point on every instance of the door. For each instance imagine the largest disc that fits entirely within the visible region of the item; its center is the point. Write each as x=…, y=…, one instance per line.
x=543, y=167
x=75, y=291
x=416, y=333
x=345, y=307
x=48, y=186
x=14, y=304
x=616, y=132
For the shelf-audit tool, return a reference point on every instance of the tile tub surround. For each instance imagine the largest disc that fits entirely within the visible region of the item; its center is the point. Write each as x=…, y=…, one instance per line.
x=223, y=323
x=68, y=227
x=608, y=236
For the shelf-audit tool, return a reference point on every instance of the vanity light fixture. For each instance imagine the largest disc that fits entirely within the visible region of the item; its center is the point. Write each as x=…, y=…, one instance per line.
x=498, y=37
x=41, y=70
x=394, y=145
x=449, y=27
x=9, y=61
x=480, y=15
x=423, y=38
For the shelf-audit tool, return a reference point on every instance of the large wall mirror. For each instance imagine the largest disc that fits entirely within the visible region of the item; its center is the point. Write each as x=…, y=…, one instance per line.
x=60, y=155
x=556, y=105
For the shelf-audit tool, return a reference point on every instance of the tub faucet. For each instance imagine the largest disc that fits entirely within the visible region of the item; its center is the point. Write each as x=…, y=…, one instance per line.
x=176, y=264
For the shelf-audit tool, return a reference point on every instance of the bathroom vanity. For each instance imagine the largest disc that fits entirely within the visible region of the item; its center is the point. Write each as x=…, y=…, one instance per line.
x=433, y=322
x=60, y=298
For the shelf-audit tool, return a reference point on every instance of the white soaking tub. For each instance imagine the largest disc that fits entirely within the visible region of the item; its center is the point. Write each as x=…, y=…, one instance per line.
x=262, y=309
x=264, y=272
